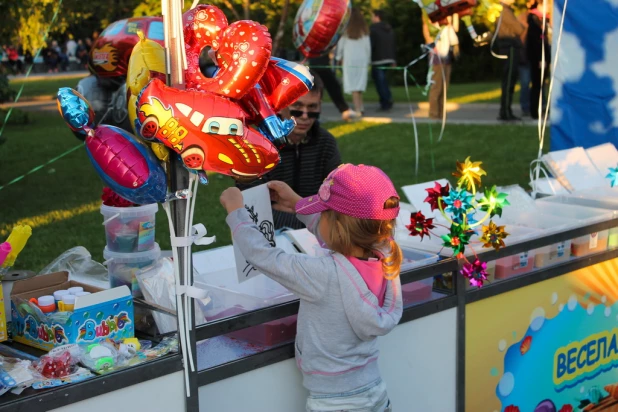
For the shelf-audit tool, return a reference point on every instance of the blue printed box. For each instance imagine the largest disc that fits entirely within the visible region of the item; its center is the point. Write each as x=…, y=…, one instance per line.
x=102, y=314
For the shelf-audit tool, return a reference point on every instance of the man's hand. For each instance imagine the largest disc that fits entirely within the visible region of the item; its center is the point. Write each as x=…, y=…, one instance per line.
x=283, y=196
x=231, y=199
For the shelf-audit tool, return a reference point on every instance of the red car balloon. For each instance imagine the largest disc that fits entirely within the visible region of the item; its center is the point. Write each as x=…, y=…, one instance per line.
x=208, y=131
x=242, y=51
x=319, y=24
x=109, y=56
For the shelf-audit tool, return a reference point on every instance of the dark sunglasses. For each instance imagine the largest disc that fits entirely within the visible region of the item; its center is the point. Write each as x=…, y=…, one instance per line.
x=299, y=113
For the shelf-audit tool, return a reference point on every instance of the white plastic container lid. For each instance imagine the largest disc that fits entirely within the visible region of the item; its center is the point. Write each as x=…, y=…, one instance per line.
x=60, y=293
x=75, y=289
x=567, y=206
x=110, y=213
x=69, y=299
x=46, y=300
x=136, y=257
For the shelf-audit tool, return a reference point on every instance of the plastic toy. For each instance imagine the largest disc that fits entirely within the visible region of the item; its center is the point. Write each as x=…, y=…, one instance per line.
x=46, y=303
x=99, y=357
x=59, y=366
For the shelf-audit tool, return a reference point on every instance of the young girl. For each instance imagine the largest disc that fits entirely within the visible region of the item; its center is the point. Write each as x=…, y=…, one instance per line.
x=347, y=298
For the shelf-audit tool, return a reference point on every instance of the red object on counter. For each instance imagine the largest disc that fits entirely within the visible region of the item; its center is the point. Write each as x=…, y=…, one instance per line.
x=267, y=334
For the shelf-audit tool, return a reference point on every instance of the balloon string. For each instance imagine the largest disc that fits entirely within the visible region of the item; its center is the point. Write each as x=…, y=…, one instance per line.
x=41, y=166
x=38, y=52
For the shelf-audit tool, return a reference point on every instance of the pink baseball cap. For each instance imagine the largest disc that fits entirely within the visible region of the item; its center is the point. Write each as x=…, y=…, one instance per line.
x=357, y=191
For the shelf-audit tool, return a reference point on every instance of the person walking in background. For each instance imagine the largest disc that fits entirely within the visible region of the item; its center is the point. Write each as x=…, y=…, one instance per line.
x=534, y=48
x=321, y=66
x=524, y=64
x=71, y=47
x=82, y=53
x=508, y=40
x=446, y=48
x=383, y=54
x=354, y=53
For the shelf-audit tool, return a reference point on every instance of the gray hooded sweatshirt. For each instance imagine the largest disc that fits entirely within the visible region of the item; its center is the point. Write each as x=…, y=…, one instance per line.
x=339, y=318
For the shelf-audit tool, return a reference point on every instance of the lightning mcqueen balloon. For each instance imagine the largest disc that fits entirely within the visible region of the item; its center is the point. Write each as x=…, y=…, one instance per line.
x=207, y=130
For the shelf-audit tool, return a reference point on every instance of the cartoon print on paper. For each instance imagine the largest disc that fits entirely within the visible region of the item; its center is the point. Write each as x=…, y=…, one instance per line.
x=268, y=231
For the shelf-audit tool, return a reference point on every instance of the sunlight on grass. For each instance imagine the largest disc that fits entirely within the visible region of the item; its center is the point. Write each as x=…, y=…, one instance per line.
x=347, y=128
x=51, y=217
x=480, y=97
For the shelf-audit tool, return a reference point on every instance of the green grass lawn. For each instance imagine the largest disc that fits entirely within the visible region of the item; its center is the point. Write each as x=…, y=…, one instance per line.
x=487, y=92
x=61, y=201
x=45, y=87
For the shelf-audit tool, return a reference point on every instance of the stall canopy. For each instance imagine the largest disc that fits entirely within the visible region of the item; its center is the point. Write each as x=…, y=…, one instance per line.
x=584, y=109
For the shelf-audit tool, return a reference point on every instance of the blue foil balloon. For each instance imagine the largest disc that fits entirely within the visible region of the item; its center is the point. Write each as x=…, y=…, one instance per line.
x=75, y=111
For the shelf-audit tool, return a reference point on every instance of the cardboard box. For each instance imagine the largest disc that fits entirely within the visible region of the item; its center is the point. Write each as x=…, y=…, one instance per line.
x=102, y=314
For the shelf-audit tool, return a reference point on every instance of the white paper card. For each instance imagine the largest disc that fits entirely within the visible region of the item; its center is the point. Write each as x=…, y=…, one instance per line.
x=573, y=169
x=257, y=203
x=416, y=195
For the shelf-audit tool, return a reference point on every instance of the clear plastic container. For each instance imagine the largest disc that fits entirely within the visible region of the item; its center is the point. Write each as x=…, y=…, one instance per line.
x=420, y=290
x=124, y=267
x=547, y=255
x=601, y=198
x=515, y=265
x=129, y=229
x=581, y=210
x=216, y=272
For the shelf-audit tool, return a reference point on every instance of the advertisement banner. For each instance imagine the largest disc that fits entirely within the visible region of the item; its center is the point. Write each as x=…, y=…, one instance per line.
x=547, y=347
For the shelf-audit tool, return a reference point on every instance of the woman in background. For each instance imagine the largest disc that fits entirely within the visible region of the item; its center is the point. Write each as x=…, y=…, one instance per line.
x=354, y=53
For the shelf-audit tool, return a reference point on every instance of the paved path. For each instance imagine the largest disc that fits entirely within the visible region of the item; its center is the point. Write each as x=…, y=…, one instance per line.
x=481, y=114
x=471, y=113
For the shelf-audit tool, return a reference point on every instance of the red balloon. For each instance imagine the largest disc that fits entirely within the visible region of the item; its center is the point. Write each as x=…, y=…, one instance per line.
x=319, y=24
x=208, y=131
x=284, y=82
x=110, y=53
x=242, y=51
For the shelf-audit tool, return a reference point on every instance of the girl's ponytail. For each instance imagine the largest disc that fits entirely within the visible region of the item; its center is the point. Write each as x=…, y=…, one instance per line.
x=391, y=264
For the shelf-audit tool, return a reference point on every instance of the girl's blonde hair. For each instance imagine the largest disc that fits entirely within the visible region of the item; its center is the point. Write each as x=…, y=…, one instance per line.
x=374, y=237
x=357, y=27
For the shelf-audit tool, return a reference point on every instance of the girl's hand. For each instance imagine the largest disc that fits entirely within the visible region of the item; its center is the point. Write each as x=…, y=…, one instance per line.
x=284, y=197
x=231, y=199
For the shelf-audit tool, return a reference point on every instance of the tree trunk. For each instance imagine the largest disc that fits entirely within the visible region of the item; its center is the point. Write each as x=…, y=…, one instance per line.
x=281, y=28
x=245, y=7
x=232, y=9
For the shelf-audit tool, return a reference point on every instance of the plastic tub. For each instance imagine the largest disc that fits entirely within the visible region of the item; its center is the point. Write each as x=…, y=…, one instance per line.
x=216, y=272
x=123, y=267
x=129, y=229
x=576, y=208
x=515, y=265
x=551, y=254
x=420, y=290
x=601, y=198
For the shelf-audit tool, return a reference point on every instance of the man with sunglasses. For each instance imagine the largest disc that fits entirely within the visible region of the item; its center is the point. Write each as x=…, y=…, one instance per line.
x=310, y=155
